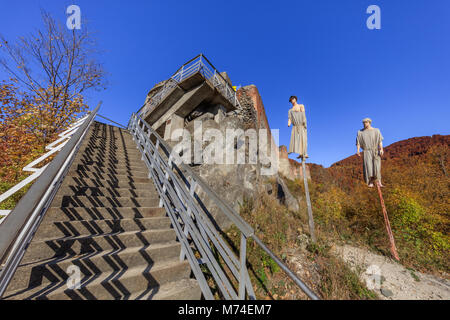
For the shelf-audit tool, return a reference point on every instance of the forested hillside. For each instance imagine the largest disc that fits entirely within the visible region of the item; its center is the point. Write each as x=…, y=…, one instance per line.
x=415, y=175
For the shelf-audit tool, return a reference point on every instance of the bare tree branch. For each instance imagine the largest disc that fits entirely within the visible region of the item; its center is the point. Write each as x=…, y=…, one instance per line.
x=55, y=64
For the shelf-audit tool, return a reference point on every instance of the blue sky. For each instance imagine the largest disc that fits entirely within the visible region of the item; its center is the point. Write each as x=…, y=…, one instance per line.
x=319, y=50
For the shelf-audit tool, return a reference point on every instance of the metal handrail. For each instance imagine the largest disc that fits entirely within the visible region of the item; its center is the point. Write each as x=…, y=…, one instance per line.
x=200, y=57
x=198, y=64
x=176, y=184
x=20, y=225
x=52, y=148
x=190, y=221
x=112, y=121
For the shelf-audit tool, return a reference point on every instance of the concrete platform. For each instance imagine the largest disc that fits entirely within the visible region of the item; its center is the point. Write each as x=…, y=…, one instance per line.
x=184, y=98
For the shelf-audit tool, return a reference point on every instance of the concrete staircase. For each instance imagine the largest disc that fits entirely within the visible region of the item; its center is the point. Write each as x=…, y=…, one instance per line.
x=106, y=221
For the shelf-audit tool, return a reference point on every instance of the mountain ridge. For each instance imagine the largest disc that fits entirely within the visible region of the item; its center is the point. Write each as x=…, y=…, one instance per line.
x=408, y=149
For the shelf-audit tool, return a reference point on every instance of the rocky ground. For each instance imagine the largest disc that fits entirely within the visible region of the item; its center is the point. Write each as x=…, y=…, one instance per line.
x=395, y=281
x=388, y=279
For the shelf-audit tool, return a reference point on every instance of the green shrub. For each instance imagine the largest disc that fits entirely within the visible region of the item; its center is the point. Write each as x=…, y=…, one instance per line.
x=12, y=201
x=268, y=262
x=330, y=205
x=415, y=229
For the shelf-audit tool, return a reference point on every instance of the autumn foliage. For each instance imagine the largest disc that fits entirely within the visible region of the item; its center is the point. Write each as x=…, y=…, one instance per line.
x=415, y=173
x=50, y=72
x=27, y=125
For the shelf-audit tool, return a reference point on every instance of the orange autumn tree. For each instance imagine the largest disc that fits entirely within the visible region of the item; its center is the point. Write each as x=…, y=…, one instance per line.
x=49, y=73
x=26, y=126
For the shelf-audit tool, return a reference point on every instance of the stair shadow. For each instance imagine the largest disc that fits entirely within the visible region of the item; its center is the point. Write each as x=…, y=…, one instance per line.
x=82, y=181
x=95, y=214
x=90, y=251
x=85, y=191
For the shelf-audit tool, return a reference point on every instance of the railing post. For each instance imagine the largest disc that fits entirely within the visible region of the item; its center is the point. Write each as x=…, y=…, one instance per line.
x=193, y=185
x=181, y=74
x=140, y=137
x=166, y=180
x=149, y=141
x=155, y=163
x=133, y=119
x=200, y=63
x=156, y=150
x=243, y=267
x=129, y=122
x=147, y=146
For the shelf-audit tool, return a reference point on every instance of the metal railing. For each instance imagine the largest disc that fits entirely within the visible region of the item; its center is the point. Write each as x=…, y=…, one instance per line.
x=202, y=244
x=53, y=147
x=198, y=64
x=21, y=224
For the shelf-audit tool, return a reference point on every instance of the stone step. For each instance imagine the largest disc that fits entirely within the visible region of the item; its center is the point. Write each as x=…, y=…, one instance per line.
x=117, y=156
x=98, y=213
x=110, y=149
x=107, y=159
x=162, y=282
x=107, y=176
x=106, y=183
x=107, y=202
x=119, y=286
x=184, y=289
x=96, y=265
x=102, y=127
x=116, y=138
x=123, y=171
x=108, y=141
x=100, y=130
x=110, y=146
x=74, y=246
x=75, y=190
x=140, y=166
x=114, y=134
x=62, y=229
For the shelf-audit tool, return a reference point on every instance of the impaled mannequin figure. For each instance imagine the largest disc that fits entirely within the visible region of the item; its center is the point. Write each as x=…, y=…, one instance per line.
x=371, y=141
x=297, y=118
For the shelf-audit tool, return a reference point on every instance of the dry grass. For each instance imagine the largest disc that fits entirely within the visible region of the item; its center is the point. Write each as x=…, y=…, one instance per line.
x=420, y=225
x=283, y=232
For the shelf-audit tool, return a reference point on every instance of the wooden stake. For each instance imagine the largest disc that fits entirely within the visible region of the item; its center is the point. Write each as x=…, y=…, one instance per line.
x=308, y=204
x=387, y=223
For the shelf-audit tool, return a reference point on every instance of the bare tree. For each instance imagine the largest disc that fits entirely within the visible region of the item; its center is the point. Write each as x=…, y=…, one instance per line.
x=56, y=66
